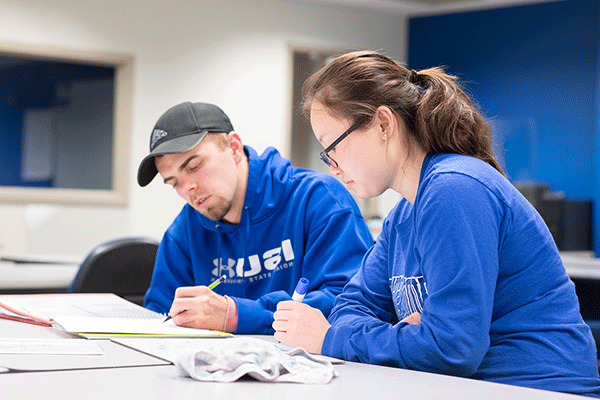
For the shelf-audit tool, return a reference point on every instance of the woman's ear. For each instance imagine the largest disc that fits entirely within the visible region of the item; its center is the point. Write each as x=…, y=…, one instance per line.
x=386, y=120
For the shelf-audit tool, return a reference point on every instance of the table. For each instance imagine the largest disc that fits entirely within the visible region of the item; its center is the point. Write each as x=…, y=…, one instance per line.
x=36, y=277
x=355, y=381
x=584, y=270
x=581, y=264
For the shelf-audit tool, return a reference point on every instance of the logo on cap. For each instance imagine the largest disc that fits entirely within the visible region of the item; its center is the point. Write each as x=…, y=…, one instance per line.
x=157, y=134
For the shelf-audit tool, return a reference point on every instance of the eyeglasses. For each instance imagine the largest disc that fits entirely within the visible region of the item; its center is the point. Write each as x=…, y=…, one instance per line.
x=325, y=153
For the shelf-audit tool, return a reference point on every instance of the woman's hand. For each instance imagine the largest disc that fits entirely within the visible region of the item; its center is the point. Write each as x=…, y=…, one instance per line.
x=300, y=325
x=413, y=319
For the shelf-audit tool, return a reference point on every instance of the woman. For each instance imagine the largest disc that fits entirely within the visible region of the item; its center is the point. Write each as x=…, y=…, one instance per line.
x=465, y=278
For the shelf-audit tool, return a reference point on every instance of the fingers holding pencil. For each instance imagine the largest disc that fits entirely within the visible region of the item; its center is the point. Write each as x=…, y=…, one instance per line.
x=199, y=307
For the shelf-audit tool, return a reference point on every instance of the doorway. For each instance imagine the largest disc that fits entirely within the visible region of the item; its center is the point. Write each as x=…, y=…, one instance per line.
x=305, y=148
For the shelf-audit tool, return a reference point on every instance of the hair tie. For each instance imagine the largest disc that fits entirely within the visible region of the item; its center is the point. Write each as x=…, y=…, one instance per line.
x=412, y=76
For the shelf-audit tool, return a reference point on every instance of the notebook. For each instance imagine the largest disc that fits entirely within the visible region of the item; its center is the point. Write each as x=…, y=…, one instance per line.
x=101, y=314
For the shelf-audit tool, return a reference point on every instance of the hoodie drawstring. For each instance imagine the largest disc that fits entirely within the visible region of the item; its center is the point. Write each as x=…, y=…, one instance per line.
x=219, y=251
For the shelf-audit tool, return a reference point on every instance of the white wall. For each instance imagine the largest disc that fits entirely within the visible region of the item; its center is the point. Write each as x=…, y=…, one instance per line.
x=233, y=53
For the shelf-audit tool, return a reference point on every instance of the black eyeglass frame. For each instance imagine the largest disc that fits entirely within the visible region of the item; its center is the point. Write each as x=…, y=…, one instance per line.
x=325, y=153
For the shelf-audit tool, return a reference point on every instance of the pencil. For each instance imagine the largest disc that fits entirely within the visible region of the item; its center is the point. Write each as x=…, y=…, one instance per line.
x=215, y=283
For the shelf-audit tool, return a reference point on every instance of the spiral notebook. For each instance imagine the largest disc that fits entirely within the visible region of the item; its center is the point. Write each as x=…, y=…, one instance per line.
x=100, y=315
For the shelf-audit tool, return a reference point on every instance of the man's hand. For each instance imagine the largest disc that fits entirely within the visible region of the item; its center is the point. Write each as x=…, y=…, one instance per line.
x=300, y=325
x=199, y=307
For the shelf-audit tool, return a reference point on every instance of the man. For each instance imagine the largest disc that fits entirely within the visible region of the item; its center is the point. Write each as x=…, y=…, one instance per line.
x=253, y=218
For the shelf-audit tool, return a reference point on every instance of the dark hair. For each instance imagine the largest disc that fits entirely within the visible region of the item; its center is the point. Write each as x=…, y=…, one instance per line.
x=431, y=104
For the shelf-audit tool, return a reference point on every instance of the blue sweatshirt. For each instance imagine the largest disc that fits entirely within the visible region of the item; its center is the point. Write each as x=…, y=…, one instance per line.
x=295, y=223
x=477, y=261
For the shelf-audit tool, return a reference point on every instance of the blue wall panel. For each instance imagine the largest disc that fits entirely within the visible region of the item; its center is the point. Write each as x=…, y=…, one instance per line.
x=533, y=70
x=10, y=148
x=27, y=85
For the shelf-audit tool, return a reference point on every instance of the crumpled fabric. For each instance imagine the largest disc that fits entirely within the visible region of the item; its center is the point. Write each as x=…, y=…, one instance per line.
x=259, y=359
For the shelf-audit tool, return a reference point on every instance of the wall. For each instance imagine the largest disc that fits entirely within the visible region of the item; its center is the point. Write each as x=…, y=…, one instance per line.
x=534, y=71
x=230, y=52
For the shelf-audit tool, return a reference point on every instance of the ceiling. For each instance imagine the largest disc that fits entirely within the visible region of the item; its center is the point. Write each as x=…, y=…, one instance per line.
x=422, y=7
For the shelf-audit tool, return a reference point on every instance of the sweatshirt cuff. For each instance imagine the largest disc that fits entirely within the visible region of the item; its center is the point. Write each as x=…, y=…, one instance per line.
x=333, y=344
x=252, y=318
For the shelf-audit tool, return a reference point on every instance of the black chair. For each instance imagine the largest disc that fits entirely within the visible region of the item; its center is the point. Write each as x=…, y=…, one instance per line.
x=122, y=266
x=587, y=290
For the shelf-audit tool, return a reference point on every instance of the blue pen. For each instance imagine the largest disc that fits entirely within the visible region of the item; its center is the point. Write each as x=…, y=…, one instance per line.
x=300, y=290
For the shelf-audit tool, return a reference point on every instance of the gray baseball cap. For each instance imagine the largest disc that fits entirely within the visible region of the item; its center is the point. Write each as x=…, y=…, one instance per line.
x=180, y=129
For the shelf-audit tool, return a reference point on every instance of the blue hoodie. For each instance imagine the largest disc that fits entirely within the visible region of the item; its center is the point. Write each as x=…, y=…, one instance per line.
x=295, y=223
x=476, y=260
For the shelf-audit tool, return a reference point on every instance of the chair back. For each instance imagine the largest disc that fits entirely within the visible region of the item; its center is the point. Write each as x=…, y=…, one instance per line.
x=122, y=266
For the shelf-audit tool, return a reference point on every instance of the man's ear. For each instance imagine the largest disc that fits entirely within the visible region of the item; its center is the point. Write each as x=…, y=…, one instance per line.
x=236, y=145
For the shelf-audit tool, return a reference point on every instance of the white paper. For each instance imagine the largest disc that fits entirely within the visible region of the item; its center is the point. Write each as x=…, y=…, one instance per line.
x=50, y=346
x=78, y=305
x=92, y=325
x=169, y=348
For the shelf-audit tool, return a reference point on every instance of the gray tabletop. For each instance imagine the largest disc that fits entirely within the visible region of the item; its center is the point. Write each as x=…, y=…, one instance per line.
x=354, y=381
